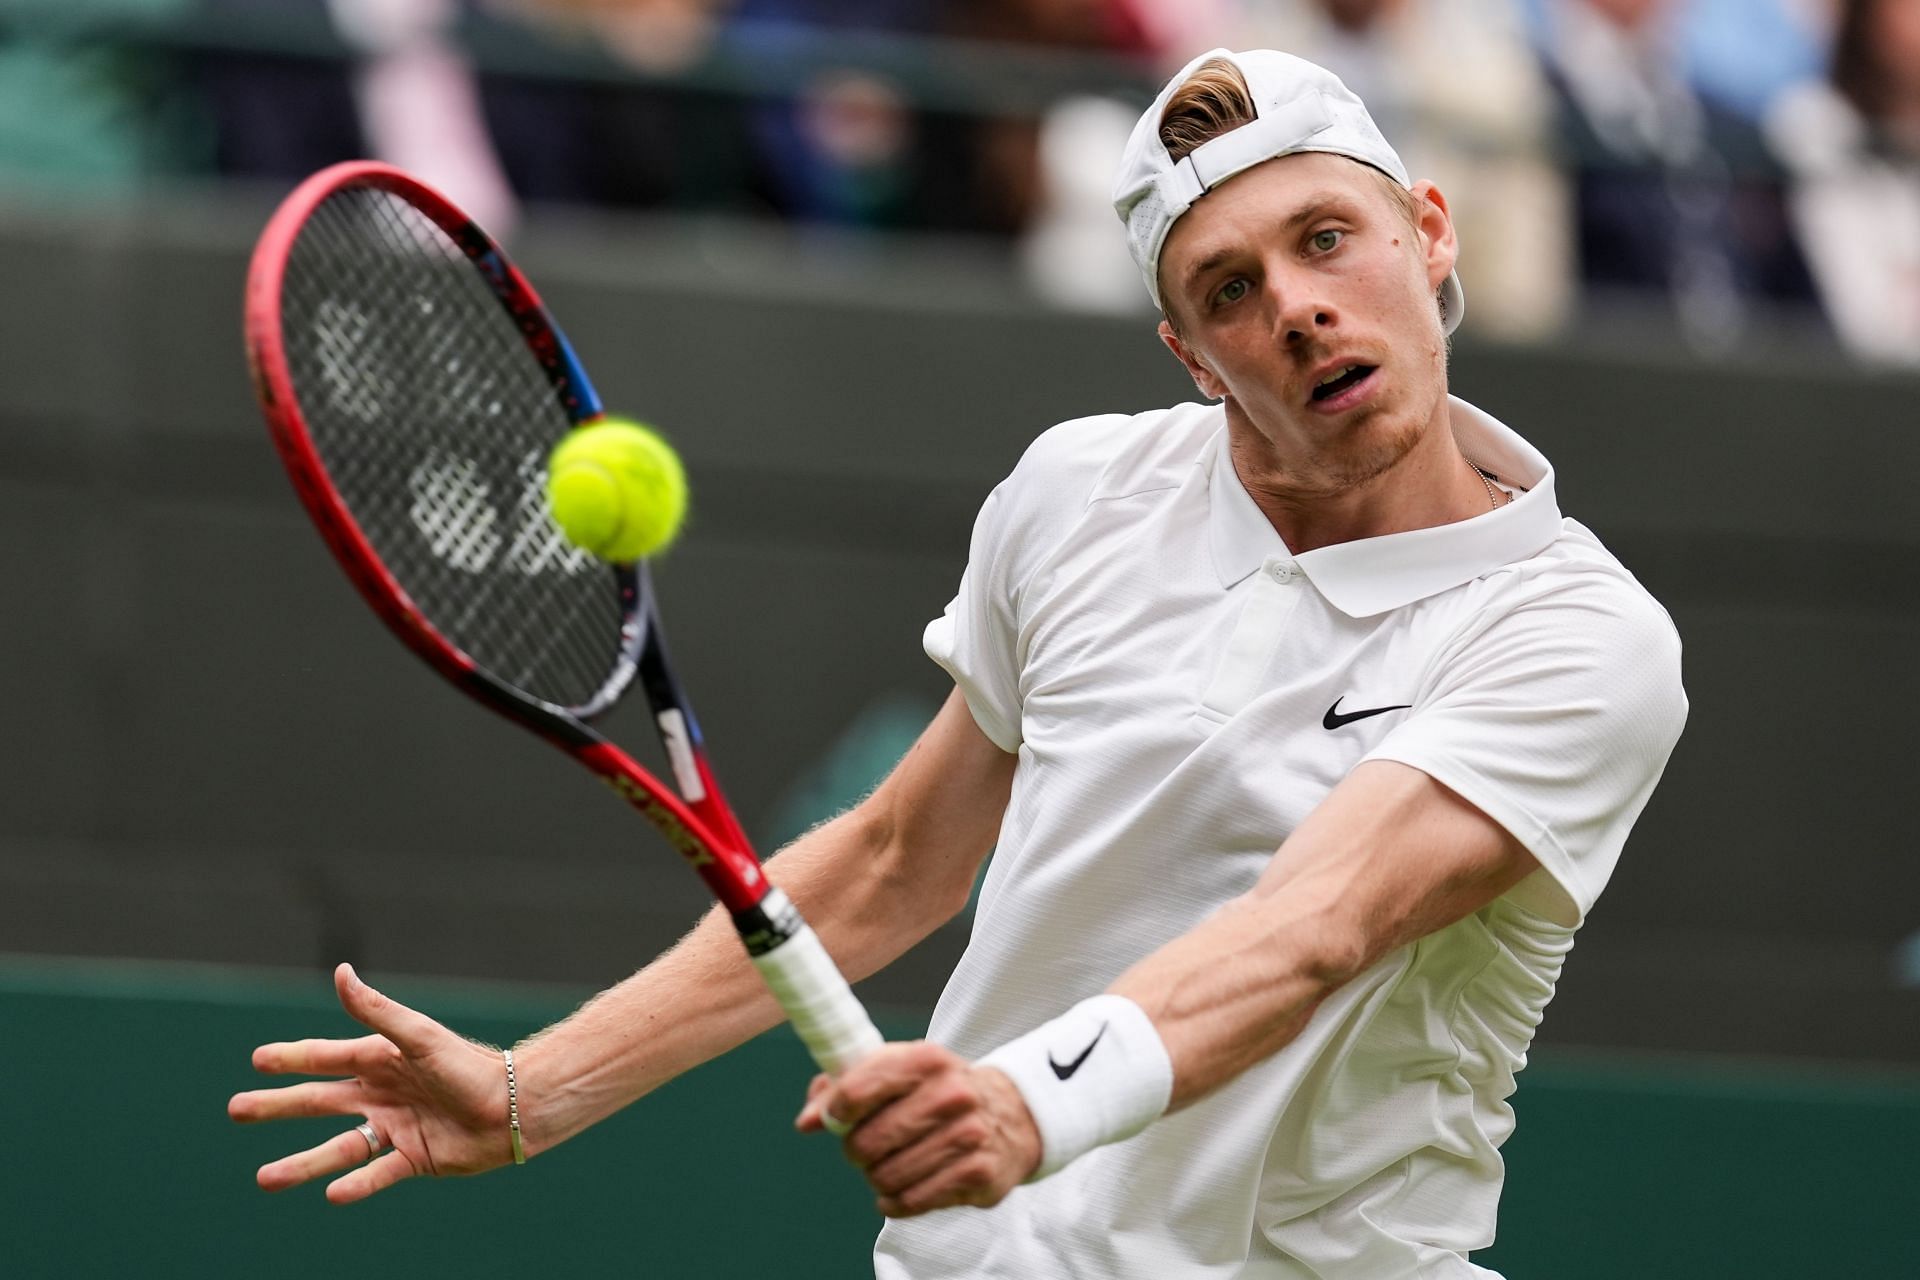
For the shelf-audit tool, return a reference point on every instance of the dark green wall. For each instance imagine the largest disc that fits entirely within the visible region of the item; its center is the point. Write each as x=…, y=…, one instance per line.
x=213, y=753
x=123, y=1164
x=120, y=1161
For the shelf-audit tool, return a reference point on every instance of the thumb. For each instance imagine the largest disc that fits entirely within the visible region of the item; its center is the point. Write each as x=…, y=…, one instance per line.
x=412, y=1031
x=808, y=1121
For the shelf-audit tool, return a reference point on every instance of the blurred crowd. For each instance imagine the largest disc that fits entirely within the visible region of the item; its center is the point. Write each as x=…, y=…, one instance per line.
x=1728, y=162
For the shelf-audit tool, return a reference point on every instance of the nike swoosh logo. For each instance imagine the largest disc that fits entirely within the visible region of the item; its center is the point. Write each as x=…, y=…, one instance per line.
x=1334, y=719
x=1066, y=1072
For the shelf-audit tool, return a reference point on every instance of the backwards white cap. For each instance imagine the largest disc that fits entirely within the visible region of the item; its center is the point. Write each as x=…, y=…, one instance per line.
x=1298, y=106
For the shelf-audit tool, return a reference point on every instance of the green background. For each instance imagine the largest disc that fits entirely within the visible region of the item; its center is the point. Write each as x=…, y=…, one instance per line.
x=120, y=1161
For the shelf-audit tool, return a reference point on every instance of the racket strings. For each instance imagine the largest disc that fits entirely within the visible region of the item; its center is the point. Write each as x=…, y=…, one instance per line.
x=433, y=419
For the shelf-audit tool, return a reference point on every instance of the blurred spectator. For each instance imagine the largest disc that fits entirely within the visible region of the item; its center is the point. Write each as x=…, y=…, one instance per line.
x=1454, y=84
x=1675, y=196
x=849, y=148
x=659, y=36
x=404, y=94
x=1110, y=25
x=1742, y=54
x=853, y=133
x=276, y=114
x=1174, y=31
x=1738, y=54
x=418, y=104
x=642, y=144
x=1853, y=145
x=1074, y=253
x=79, y=113
x=1008, y=177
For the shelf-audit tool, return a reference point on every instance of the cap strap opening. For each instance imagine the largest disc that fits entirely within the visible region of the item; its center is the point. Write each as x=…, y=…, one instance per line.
x=1279, y=132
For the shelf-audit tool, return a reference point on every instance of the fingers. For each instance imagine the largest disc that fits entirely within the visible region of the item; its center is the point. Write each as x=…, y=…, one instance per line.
x=342, y=1151
x=914, y=1164
x=812, y=1116
x=321, y=1057
x=977, y=1179
x=397, y=1027
x=413, y=1032
x=313, y=1098
x=377, y=1175
x=407, y=1064
x=974, y=1158
x=928, y=1128
x=826, y=1109
x=891, y=1072
x=902, y=1101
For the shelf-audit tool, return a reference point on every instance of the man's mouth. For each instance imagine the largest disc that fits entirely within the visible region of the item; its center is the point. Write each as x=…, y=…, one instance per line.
x=1341, y=380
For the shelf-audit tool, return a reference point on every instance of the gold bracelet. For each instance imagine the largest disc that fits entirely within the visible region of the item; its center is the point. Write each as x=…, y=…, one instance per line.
x=513, y=1110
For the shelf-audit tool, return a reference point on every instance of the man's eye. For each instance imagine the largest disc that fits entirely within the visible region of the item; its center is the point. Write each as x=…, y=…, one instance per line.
x=1326, y=241
x=1231, y=291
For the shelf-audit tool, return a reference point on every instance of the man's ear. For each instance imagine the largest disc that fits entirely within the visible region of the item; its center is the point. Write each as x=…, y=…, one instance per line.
x=1436, y=233
x=1205, y=379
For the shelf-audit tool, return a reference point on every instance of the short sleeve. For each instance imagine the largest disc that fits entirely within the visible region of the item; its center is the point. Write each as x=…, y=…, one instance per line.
x=977, y=638
x=1555, y=718
x=1023, y=521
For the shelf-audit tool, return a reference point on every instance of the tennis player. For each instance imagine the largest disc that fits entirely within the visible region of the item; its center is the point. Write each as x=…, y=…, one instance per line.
x=1307, y=728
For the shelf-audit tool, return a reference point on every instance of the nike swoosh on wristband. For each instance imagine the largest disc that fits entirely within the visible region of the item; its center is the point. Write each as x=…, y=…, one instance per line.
x=1066, y=1072
x=1334, y=719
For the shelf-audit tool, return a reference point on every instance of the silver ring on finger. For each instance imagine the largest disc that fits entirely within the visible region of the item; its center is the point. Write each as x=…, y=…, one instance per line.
x=374, y=1145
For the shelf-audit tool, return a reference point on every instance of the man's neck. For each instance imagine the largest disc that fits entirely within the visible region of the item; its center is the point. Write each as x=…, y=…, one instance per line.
x=1432, y=483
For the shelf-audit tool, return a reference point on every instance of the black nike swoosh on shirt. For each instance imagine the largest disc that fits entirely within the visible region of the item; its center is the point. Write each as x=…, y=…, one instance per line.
x=1066, y=1072
x=1334, y=719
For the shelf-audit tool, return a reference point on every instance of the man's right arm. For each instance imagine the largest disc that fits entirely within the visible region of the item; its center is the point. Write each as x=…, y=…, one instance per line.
x=872, y=883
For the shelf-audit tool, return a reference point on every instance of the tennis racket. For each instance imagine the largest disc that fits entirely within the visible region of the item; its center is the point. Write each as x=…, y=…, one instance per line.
x=414, y=386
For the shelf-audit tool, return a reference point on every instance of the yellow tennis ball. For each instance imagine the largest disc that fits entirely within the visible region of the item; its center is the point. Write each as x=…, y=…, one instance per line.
x=617, y=489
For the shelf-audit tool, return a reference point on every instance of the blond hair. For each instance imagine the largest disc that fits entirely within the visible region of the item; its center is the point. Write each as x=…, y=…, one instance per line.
x=1214, y=100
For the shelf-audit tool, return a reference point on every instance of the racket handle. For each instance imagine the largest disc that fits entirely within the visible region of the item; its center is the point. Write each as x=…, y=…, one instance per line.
x=830, y=1019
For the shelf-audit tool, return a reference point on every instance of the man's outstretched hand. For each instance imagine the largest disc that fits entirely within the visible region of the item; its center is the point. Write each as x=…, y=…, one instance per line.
x=437, y=1101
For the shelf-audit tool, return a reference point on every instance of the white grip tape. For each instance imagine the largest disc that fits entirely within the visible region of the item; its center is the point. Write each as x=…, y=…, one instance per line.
x=830, y=1019
x=1096, y=1074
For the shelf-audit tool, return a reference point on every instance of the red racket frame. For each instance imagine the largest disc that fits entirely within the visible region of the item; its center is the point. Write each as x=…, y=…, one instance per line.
x=704, y=832
x=700, y=826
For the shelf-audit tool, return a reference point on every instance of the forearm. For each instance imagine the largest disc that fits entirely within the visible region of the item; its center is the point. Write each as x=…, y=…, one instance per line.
x=703, y=997
x=1390, y=857
x=1234, y=990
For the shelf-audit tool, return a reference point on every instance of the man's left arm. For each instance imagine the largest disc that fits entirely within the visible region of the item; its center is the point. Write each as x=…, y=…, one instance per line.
x=1388, y=857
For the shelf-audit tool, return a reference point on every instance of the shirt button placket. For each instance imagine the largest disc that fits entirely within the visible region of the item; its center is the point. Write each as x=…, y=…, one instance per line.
x=1257, y=635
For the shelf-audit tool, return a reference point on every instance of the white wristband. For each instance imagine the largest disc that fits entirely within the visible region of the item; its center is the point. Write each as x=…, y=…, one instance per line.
x=1095, y=1074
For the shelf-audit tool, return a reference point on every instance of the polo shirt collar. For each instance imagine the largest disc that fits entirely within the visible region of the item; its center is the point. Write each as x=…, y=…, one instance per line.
x=1374, y=575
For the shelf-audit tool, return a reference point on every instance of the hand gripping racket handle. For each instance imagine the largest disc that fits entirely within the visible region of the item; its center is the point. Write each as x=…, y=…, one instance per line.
x=822, y=1007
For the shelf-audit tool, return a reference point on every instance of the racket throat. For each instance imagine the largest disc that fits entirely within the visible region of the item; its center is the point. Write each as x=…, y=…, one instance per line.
x=676, y=736
x=768, y=923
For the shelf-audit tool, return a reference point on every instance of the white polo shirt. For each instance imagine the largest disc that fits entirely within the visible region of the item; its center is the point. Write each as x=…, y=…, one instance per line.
x=1182, y=691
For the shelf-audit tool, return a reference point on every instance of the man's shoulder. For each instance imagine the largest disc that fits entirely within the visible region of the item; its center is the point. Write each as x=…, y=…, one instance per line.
x=1575, y=584
x=1577, y=561
x=1114, y=455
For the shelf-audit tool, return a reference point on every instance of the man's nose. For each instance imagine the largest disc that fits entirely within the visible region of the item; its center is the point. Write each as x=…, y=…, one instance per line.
x=1301, y=314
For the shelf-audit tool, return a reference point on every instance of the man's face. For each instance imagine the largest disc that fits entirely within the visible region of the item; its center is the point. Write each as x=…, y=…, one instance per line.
x=1301, y=292
x=1895, y=29
x=1628, y=15
x=1356, y=16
